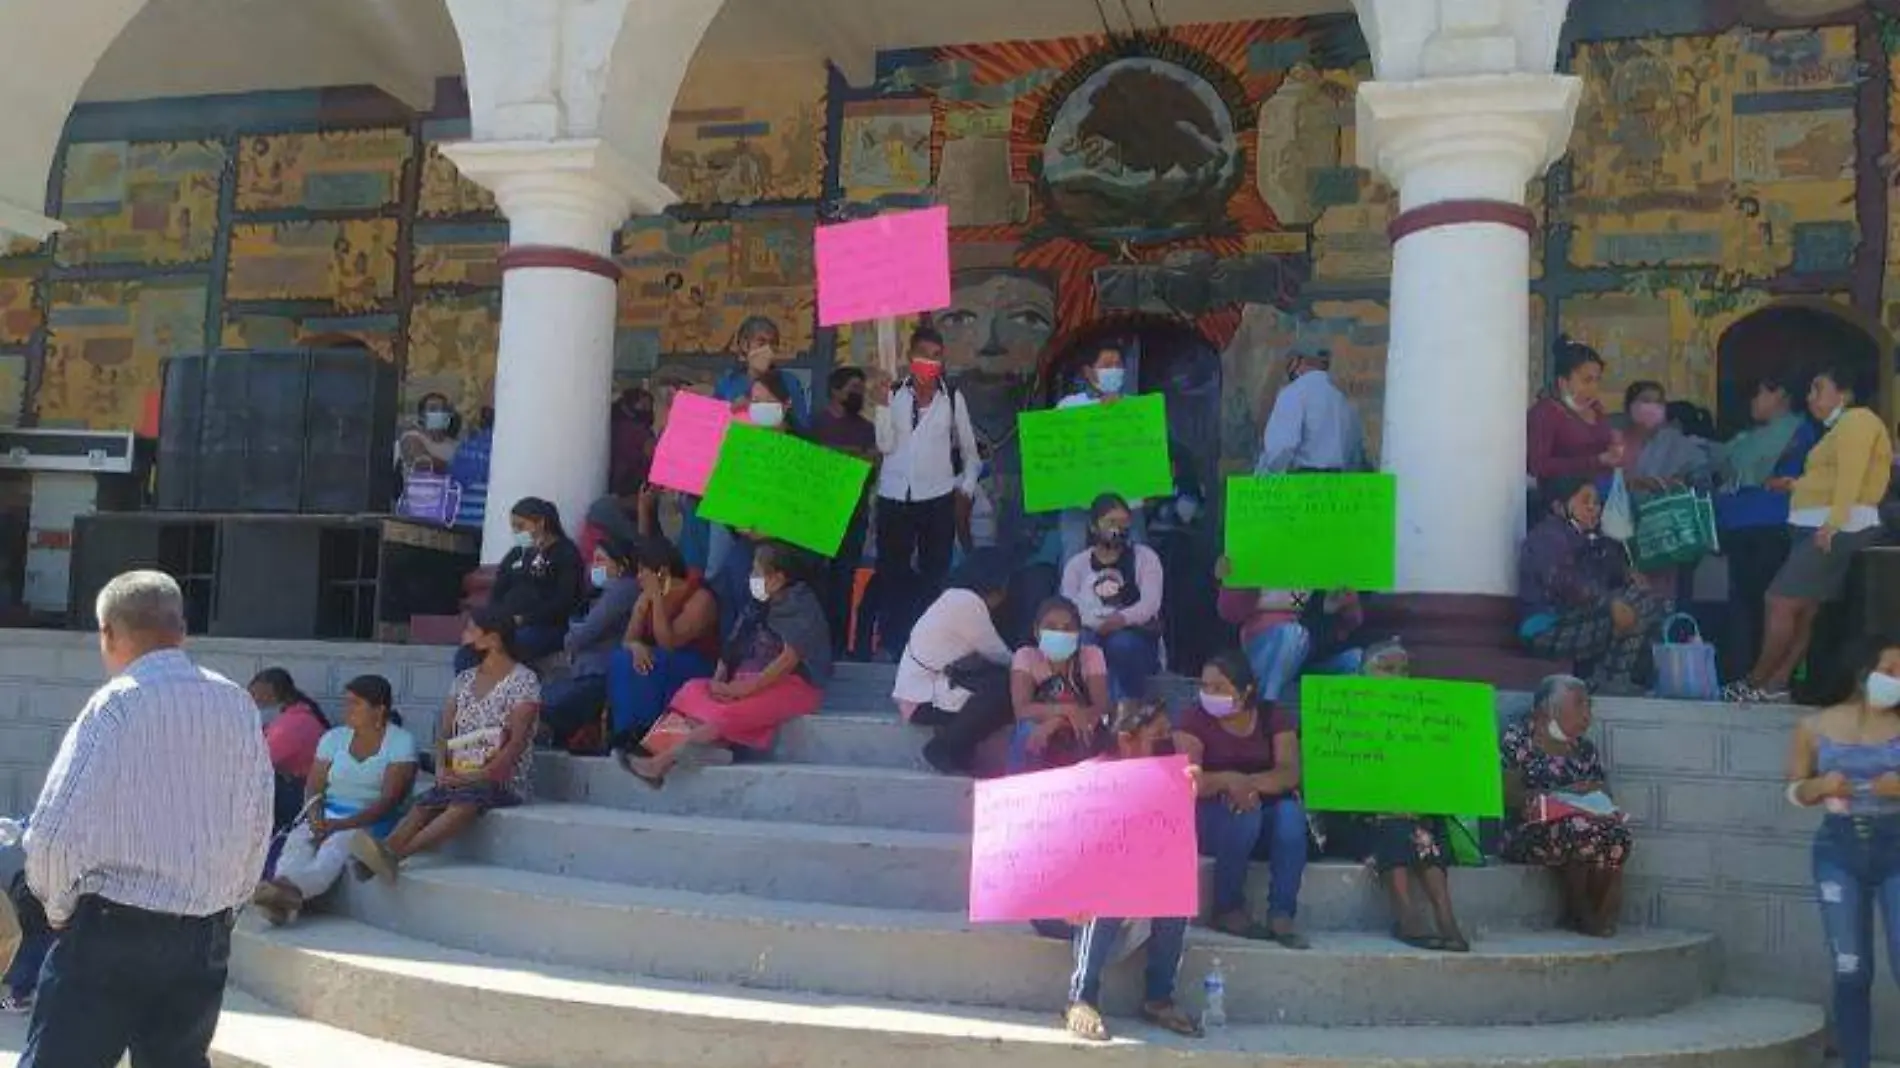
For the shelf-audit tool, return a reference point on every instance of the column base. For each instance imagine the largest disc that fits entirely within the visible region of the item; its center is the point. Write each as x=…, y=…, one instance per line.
x=1468, y=637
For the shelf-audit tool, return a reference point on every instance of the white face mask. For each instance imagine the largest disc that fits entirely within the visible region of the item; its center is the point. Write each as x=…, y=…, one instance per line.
x=1883, y=691
x=1839, y=409
x=435, y=420
x=759, y=592
x=768, y=415
x=1556, y=731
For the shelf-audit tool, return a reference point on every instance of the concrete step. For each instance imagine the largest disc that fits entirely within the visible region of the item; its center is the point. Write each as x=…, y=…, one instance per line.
x=832, y=793
x=1346, y=979
x=460, y=1004
x=881, y=868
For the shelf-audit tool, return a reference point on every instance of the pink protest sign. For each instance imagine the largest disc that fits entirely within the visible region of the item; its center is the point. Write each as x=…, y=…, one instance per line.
x=695, y=428
x=1106, y=838
x=887, y=266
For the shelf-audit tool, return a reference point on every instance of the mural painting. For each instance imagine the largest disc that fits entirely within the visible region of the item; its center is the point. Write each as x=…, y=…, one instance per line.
x=453, y=343
x=106, y=341
x=459, y=254
x=351, y=170
x=763, y=144
x=886, y=148
x=267, y=330
x=19, y=302
x=351, y=265
x=688, y=286
x=139, y=202
x=445, y=193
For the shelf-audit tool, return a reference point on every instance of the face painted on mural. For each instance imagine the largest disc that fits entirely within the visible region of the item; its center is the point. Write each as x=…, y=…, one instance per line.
x=998, y=321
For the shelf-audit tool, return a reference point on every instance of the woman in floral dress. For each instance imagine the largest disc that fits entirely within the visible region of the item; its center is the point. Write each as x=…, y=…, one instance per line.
x=1561, y=815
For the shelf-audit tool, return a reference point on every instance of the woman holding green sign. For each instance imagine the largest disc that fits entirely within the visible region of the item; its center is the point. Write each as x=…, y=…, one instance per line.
x=1249, y=790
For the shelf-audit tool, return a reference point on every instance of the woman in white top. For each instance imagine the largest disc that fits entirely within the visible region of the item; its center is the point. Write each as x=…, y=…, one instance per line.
x=1117, y=586
x=362, y=776
x=954, y=674
x=1104, y=381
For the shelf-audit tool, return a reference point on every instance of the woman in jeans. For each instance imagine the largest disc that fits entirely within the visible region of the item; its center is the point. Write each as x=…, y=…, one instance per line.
x=1249, y=798
x=1846, y=760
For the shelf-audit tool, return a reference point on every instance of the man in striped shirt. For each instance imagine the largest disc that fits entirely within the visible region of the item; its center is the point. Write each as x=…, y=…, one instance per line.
x=150, y=832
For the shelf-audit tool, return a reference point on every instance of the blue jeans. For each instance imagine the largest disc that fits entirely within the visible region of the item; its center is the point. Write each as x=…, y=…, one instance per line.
x=1095, y=946
x=731, y=581
x=1857, y=865
x=1234, y=839
x=1278, y=658
x=1133, y=655
x=123, y=979
x=23, y=976
x=638, y=701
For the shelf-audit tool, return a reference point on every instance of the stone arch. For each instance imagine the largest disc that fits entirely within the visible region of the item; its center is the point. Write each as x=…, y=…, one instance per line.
x=606, y=70
x=49, y=51
x=1793, y=338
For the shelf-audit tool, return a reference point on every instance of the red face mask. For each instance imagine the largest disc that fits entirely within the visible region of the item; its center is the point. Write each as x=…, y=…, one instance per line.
x=926, y=370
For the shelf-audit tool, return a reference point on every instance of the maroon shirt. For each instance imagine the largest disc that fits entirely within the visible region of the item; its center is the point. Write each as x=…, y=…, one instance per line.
x=1222, y=750
x=1561, y=443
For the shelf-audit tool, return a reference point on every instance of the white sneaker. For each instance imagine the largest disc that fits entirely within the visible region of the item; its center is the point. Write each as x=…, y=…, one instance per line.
x=16, y=1006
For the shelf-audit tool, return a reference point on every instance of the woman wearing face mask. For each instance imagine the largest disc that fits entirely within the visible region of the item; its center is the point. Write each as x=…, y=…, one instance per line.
x=1569, y=434
x=573, y=704
x=362, y=777
x=775, y=663
x=293, y=727
x=1140, y=730
x=756, y=347
x=1833, y=514
x=429, y=445
x=538, y=584
x=1117, y=585
x=1656, y=455
x=1561, y=816
x=1104, y=381
x=672, y=639
x=1058, y=688
x=1250, y=803
x=1846, y=761
x=768, y=409
x=1579, y=600
x=483, y=750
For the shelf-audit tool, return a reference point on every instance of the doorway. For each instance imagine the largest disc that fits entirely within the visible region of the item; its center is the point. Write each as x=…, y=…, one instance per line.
x=1171, y=358
x=1791, y=341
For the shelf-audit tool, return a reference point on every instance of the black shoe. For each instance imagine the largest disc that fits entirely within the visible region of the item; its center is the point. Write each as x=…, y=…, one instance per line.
x=942, y=760
x=931, y=716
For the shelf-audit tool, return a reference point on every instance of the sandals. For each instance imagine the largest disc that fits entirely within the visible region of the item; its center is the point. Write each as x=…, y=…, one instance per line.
x=1432, y=943
x=631, y=765
x=375, y=856
x=1084, y=1021
x=1169, y=1017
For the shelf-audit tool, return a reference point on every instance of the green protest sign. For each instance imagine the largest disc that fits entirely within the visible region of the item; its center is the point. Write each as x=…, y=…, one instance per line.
x=1073, y=455
x=1312, y=532
x=1402, y=746
x=779, y=486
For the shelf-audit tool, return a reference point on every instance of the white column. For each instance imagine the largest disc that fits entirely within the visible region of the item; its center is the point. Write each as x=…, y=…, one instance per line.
x=564, y=201
x=1461, y=151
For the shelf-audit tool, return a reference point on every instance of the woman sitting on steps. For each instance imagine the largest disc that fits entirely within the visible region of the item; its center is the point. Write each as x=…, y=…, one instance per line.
x=483, y=757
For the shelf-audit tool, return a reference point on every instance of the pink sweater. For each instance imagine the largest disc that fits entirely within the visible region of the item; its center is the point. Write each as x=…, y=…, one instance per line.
x=292, y=739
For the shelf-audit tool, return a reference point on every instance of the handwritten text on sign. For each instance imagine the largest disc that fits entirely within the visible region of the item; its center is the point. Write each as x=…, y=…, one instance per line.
x=1073, y=455
x=1111, y=839
x=888, y=266
x=695, y=430
x=1413, y=746
x=1312, y=532
x=781, y=487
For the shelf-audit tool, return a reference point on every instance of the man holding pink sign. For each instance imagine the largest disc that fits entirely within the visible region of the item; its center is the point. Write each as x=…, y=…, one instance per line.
x=1108, y=838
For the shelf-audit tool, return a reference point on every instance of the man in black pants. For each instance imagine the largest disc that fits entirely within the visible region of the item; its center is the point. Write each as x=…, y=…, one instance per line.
x=842, y=426
x=930, y=458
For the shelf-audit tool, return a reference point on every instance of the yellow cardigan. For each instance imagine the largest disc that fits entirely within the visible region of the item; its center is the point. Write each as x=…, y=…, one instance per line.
x=1850, y=467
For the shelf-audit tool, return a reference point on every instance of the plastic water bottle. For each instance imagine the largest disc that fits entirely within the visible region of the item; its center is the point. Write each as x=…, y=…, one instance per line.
x=1214, y=1015
x=11, y=831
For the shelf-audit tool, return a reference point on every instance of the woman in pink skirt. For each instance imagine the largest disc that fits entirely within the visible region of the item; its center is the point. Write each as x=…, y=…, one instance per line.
x=777, y=657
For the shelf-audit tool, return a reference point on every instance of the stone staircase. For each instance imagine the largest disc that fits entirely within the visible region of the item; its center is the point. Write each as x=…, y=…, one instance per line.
x=810, y=912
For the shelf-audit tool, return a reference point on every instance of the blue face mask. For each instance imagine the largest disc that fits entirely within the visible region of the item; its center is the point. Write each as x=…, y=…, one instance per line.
x=1058, y=645
x=599, y=575
x=1111, y=379
x=524, y=540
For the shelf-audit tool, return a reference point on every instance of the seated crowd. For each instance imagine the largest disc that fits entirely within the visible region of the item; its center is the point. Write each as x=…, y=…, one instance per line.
x=694, y=651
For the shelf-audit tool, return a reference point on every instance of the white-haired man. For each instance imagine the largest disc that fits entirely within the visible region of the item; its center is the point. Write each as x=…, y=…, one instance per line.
x=1313, y=426
x=150, y=832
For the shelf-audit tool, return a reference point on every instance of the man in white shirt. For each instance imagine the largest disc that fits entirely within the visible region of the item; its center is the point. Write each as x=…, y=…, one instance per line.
x=151, y=830
x=1314, y=426
x=930, y=459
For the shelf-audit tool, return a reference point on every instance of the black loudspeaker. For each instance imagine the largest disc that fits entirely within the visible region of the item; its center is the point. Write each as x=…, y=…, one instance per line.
x=308, y=432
